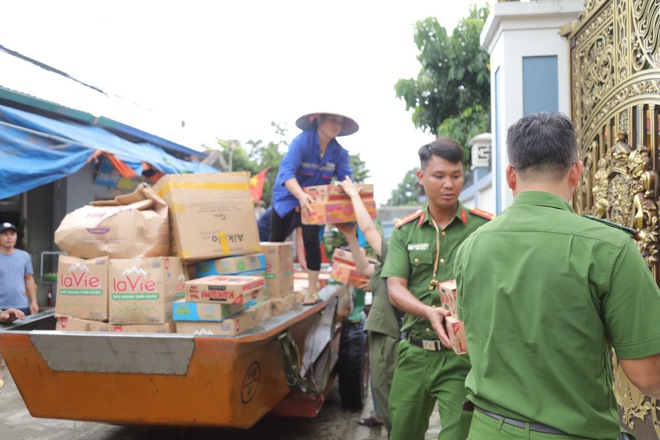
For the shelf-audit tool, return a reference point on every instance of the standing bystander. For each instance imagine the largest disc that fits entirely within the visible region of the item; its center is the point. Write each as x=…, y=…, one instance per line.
x=545, y=295
x=421, y=253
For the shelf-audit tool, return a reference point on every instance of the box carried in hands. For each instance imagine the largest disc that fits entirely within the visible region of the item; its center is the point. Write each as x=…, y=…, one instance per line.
x=456, y=333
x=447, y=291
x=211, y=215
x=131, y=225
x=344, y=271
x=82, y=288
x=332, y=205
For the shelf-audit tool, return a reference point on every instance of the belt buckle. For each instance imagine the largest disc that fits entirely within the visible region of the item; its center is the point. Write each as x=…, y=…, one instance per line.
x=430, y=345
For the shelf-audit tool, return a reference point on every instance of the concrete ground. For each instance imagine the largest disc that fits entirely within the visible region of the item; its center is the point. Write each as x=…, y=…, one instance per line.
x=332, y=423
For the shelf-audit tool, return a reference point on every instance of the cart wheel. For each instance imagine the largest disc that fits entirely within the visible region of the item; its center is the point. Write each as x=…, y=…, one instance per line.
x=352, y=365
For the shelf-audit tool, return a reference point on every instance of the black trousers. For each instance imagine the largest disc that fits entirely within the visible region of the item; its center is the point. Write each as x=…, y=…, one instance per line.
x=279, y=226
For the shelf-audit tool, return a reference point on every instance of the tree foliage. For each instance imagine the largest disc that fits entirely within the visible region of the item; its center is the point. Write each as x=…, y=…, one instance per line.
x=451, y=94
x=407, y=193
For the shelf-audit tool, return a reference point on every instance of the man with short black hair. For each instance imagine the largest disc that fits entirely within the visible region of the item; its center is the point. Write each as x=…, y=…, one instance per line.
x=16, y=274
x=545, y=295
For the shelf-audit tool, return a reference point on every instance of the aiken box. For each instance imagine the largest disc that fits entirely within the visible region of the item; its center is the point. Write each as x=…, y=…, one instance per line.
x=231, y=265
x=447, y=291
x=456, y=333
x=228, y=327
x=82, y=288
x=228, y=289
x=211, y=215
x=142, y=289
x=344, y=271
x=279, y=268
x=332, y=205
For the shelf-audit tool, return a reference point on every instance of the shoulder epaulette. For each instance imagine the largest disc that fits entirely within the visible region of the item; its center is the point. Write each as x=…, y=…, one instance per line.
x=409, y=218
x=483, y=214
x=634, y=233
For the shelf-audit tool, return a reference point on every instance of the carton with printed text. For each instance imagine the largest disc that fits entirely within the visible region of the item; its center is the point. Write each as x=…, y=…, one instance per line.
x=227, y=289
x=332, y=205
x=279, y=268
x=82, y=288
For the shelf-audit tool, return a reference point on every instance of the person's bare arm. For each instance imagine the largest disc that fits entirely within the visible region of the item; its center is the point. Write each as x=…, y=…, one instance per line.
x=31, y=288
x=305, y=199
x=644, y=373
x=404, y=300
x=10, y=315
x=361, y=263
x=364, y=220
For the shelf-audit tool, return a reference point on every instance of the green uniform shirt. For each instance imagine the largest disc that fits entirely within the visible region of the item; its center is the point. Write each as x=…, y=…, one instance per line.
x=412, y=256
x=543, y=293
x=381, y=316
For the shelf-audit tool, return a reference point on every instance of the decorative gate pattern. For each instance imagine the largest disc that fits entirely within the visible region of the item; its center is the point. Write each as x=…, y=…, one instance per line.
x=615, y=70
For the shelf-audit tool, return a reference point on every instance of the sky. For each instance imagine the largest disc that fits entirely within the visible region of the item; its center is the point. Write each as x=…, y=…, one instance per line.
x=196, y=71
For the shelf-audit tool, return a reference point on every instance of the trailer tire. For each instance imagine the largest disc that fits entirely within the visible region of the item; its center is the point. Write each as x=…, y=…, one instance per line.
x=352, y=366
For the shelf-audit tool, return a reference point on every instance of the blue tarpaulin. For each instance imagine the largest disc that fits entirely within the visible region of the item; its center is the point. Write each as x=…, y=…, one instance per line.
x=35, y=150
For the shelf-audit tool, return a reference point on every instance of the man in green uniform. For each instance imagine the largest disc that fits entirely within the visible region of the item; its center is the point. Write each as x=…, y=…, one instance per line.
x=382, y=322
x=421, y=252
x=545, y=294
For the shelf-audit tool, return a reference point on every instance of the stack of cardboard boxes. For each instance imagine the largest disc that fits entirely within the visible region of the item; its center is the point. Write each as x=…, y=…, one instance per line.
x=455, y=328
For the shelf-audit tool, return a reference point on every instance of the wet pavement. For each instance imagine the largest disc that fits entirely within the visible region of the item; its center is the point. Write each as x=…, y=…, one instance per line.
x=332, y=423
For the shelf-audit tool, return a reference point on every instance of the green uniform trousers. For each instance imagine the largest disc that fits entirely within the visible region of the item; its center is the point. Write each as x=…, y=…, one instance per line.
x=487, y=428
x=421, y=379
x=383, y=356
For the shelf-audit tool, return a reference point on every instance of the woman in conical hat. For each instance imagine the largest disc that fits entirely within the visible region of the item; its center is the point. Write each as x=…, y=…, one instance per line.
x=314, y=158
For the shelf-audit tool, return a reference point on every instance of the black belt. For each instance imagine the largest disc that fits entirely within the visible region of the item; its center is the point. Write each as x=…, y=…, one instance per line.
x=426, y=344
x=538, y=427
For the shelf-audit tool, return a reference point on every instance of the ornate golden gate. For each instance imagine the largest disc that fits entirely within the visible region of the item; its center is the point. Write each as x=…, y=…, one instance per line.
x=615, y=70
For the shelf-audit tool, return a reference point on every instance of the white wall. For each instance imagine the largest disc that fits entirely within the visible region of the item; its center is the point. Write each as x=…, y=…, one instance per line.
x=513, y=31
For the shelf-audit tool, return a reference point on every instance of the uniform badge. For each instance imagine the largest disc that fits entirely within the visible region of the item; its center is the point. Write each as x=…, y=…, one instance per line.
x=418, y=246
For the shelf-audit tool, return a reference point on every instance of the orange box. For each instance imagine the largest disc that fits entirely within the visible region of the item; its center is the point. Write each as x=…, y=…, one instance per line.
x=456, y=333
x=343, y=269
x=332, y=205
x=225, y=289
x=448, y=296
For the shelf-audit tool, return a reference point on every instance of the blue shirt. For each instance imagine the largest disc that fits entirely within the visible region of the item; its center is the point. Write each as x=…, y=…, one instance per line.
x=304, y=162
x=13, y=269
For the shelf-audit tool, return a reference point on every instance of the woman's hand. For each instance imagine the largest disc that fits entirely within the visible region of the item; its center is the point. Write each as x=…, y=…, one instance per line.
x=349, y=187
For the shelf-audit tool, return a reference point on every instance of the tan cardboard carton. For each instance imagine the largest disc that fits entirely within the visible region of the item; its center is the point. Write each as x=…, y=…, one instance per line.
x=142, y=289
x=131, y=225
x=228, y=327
x=203, y=311
x=82, y=288
x=344, y=271
x=282, y=305
x=332, y=205
x=211, y=215
x=168, y=327
x=71, y=324
x=456, y=333
x=240, y=265
x=448, y=296
x=279, y=268
x=228, y=289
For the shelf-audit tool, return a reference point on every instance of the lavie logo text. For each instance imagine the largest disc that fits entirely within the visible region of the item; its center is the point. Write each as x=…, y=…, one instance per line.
x=139, y=284
x=80, y=280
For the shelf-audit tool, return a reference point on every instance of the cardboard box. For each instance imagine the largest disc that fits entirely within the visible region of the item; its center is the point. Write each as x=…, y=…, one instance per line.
x=282, y=304
x=344, y=271
x=332, y=205
x=447, y=291
x=131, y=225
x=168, y=327
x=196, y=311
x=227, y=289
x=211, y=215
x=142, y=289
x=279, y=268
x=72, y=324
x=231, y=265
x=82, y=288
x=456, y=333
x=228, y=327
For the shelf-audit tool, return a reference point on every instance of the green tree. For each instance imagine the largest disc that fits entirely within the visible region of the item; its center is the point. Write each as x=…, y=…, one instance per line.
x=407, y=193
x=451, y=94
